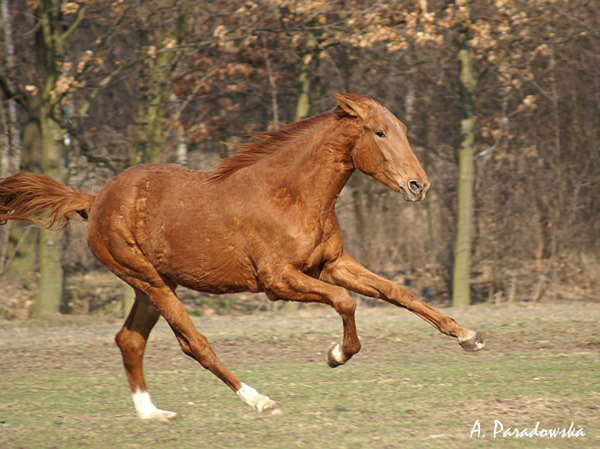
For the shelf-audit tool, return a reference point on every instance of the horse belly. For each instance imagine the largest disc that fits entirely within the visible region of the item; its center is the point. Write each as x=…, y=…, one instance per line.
x=203, y=267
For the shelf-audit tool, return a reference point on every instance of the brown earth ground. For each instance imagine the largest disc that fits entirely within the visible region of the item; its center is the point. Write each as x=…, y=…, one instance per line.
x=62, y=385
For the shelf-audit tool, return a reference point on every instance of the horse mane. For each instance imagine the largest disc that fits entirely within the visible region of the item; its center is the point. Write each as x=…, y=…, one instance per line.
x=265, y=143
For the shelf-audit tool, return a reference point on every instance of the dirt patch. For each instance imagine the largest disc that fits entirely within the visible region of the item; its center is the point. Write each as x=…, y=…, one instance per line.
x=305, y=336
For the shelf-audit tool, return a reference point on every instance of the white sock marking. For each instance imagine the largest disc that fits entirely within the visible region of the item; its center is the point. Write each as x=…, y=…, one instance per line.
x=256, y=400
x=145, y=409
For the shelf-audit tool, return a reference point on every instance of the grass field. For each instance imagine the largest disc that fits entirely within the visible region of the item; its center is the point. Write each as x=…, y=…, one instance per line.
x=62, y=384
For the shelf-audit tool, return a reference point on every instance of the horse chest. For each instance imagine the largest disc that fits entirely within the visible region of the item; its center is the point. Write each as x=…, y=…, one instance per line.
x=315, y=258
x=314, y=247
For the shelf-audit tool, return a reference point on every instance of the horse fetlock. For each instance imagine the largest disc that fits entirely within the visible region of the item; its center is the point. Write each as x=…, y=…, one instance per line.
x=448, y=325
x=472, y=342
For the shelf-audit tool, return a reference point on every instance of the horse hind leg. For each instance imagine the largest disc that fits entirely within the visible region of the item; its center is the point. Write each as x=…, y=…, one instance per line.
x=124, y=258
x=131, y=340
x=196, y=346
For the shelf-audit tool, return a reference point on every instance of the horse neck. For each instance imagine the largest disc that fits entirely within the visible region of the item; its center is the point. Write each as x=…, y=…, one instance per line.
x=316, y=165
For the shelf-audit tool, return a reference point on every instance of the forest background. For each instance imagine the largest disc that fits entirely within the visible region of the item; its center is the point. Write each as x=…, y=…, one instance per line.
x=501, y=99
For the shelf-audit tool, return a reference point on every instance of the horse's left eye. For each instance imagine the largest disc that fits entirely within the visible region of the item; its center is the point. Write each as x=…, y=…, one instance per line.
x=380, y=133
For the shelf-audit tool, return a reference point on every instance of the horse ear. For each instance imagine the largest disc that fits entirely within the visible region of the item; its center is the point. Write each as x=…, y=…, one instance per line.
x=352, y=106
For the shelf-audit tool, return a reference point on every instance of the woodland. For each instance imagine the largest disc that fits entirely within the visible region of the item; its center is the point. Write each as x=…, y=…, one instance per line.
x=501, y=99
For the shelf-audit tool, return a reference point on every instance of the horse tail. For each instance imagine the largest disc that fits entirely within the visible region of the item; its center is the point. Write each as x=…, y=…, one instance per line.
x=26, y=195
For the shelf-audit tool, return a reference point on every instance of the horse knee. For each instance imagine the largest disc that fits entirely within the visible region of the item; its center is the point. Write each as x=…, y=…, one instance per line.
x=130, y=343
x=345, y=305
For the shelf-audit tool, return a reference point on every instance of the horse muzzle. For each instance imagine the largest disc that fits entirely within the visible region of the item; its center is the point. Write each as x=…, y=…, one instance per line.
x=414, y=190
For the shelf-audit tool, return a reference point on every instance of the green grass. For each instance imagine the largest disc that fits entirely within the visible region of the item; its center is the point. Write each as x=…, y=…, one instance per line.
x=409, y=388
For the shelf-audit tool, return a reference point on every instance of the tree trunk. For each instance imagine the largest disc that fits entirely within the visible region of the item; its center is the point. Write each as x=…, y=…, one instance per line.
x=181, y=152
x=4, y=171
x=21, y=258
x=273, y=84
x=461, y=294
x=50, y=287
x=303, y=104
x=50, y=39
x=11, y=151
x=155, y=74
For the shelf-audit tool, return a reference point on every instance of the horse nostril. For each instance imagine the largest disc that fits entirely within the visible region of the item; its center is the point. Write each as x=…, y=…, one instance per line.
x=415, y=186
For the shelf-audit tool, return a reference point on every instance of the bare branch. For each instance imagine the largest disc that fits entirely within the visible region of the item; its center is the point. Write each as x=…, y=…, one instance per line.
x=78, y=19
x=15, y=94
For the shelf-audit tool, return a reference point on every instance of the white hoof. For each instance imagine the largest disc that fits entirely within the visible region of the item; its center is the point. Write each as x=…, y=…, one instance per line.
x=159, y=415
x=145, y=409
x=259, y=402
x=335, y=356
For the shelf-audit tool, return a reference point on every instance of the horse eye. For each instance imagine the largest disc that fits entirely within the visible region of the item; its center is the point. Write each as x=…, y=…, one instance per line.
x=380, y=133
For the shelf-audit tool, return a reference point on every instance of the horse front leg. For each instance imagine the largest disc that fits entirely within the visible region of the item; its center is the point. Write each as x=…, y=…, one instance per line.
x=348, y=273
x=293, y=285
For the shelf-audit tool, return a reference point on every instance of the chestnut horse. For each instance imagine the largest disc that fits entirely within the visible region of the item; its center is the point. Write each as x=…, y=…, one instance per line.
x=263, y=221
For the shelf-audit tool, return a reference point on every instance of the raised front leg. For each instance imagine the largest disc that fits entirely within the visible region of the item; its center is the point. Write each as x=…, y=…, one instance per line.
x=348, y=273
x=291, y=284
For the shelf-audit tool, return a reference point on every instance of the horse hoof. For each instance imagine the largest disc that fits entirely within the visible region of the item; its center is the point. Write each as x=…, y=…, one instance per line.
x=472, y=342
x=271, y=409
x=335, y=356
x=259, y=402
x=159, y=415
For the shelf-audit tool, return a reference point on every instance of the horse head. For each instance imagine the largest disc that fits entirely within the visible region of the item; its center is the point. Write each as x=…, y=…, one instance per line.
x=383, y=151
